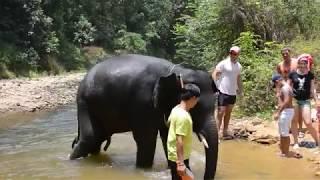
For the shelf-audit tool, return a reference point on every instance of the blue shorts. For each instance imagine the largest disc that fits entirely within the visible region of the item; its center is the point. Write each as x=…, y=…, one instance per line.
x=302, y=103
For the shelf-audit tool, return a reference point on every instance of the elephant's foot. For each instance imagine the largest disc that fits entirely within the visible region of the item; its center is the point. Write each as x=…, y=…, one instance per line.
x=82, y=149
x=78, y=152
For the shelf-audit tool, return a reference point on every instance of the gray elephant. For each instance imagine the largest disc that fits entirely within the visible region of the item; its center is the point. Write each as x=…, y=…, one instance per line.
x=136, y=93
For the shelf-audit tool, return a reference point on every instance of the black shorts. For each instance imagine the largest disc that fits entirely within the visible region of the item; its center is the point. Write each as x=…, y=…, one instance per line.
x=225, y=99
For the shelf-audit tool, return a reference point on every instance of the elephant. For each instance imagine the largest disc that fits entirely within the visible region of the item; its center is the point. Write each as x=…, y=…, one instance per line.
x=136, y=93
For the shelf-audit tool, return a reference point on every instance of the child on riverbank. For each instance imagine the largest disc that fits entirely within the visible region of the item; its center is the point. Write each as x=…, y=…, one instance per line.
x=284, y=115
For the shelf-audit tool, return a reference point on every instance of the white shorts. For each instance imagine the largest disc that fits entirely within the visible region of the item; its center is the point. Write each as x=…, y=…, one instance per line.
x=284, y=123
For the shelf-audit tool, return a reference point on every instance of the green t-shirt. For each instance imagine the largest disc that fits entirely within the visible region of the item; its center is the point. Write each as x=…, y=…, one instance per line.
x=181, y=124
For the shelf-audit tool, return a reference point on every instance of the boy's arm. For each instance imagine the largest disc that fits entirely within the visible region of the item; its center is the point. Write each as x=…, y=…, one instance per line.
x=285, y=102
x=181, y=168
x=180, y=149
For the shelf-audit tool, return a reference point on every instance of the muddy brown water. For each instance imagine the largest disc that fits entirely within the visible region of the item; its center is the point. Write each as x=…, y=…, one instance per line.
x=37, y=146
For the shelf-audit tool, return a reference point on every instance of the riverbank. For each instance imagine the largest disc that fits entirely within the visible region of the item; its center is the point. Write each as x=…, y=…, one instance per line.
x=37, y=94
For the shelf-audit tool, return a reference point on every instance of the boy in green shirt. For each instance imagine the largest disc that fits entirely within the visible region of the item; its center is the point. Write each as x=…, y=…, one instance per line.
x=180, y=132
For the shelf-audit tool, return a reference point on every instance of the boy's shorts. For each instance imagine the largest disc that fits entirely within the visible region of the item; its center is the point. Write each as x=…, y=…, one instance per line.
x=284, y=123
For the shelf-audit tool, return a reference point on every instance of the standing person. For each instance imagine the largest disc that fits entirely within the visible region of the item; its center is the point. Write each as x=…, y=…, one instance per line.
x=286, y=66
x=310, y=60
x=284, y=115
x=180, y=132
x=302, y=81
x=228, y=81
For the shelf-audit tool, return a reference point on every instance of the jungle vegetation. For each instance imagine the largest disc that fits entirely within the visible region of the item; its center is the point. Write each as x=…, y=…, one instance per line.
x=56, y=36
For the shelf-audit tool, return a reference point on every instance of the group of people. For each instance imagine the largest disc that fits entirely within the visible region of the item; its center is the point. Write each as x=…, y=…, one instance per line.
x=294, y=85
x=295, y=88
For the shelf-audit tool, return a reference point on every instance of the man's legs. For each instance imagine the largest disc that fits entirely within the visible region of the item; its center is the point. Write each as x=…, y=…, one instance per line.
x=226, y=119
x=306, y=115
x=294, y=126
x=300, y=133
x=220, y=116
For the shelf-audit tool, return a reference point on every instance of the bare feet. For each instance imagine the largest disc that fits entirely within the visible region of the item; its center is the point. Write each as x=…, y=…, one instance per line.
x=293, y=154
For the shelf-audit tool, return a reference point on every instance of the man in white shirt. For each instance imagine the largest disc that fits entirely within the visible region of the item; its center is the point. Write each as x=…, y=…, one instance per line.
x=228, y=81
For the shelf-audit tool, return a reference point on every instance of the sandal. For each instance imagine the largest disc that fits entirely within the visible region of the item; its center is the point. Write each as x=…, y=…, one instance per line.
x=294, y=155
x=227, y=137
x=297, y=155
x=301, y=135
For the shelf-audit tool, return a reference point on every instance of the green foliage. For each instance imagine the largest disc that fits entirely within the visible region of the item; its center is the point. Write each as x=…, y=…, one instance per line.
x=132, y=42
x=70, y=56
x=24, y=62
x=94, y=55
x=84, y=31
x=258, y=66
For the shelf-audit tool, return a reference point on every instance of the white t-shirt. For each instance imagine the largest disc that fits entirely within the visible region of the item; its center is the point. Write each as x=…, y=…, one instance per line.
x=227, y=83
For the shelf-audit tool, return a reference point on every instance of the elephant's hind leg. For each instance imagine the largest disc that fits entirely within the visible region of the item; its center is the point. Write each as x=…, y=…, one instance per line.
x=89, y=140
x=146, y=145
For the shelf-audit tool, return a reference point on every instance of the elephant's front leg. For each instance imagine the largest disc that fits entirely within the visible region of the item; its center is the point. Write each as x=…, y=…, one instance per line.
x=146, y=144
x=164, y=136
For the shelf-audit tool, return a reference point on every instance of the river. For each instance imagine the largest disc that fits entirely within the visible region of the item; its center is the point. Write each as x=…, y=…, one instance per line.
x=36, y=146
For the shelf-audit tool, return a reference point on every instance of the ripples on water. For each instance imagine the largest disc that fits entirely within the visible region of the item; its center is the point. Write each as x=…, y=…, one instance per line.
x=38, y=149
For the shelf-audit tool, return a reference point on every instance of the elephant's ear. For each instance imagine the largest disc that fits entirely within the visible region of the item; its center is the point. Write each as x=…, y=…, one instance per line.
x=166, y=93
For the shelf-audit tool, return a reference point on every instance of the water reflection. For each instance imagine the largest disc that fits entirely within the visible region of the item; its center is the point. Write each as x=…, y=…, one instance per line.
x=38, y=149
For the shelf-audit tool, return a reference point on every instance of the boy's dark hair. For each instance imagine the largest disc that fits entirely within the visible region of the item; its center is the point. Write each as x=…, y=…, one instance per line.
x=189, y=91
x=275, y=78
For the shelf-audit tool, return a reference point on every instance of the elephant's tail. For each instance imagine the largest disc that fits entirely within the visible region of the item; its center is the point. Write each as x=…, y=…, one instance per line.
x=75, y=141
x=107, y=144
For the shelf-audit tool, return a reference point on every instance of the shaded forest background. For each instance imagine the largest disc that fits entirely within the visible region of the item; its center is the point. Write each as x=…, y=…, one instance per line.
x=56, y=36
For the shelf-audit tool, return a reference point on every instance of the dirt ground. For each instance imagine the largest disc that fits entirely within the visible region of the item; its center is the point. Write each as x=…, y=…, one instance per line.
x=37, y=94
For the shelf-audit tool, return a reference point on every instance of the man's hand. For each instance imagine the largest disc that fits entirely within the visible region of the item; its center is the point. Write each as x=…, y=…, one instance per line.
x=181, y=169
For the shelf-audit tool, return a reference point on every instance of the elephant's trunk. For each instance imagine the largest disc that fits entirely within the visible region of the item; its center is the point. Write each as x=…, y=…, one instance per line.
x=209, y=132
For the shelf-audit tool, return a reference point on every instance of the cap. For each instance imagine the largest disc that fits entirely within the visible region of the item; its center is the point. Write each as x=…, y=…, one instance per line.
x=276, y=77
x=235, y=49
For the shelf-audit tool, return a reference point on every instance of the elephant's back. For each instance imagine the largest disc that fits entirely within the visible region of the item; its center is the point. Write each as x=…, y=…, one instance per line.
x=123, y=76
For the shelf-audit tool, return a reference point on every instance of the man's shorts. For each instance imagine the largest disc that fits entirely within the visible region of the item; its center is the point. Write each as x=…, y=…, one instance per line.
x=302, y=103
x=225, y=99
x=284, y=123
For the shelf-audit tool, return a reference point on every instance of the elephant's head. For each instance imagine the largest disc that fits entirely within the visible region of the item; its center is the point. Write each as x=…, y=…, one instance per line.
x=166, y=96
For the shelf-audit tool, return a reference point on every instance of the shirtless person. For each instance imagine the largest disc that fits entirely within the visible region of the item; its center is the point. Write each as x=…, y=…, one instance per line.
x=286, y=66
x=284, y=115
